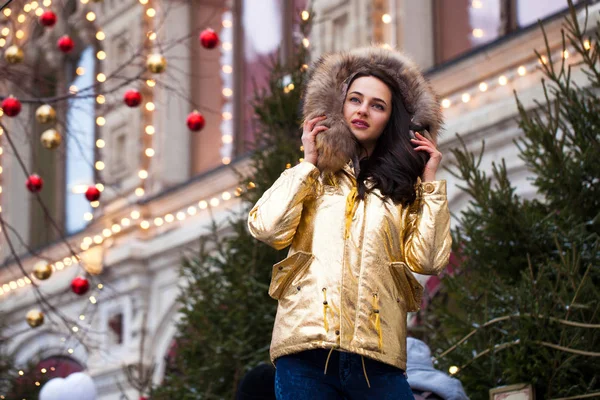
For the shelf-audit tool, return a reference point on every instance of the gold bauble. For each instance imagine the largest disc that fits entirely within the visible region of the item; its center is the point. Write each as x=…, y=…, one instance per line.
x=42, y=270
x=14, y=55
x=35, y=318
x=51, y=139
x=45, y=114
x=156, y=63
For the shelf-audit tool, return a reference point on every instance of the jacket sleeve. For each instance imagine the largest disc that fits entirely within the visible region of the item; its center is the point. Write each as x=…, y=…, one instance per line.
x=427, y=239
x=276, y=215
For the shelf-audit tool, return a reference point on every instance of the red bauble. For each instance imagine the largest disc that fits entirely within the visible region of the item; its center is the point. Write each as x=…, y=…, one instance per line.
x=65, y=44
x=34, y=183
x=132, y=98
x=92, y=193
x=195, y=121
x=48, y=18
x=80, y=285
x=209, y=39
x=11, y=106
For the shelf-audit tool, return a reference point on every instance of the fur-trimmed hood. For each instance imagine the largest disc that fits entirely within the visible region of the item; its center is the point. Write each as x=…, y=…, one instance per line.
x=326, y=92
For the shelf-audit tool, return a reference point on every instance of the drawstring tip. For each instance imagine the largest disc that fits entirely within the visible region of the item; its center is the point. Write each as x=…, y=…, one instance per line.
x=327, y=361
x=365, y=371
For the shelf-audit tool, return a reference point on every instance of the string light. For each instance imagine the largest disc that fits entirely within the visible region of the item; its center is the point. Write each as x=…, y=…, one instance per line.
x=502, y=80
x=483, y=86
x=305, y=15
x=466, y=97
x=478, y=33
x=90, y=16
x=100, y=35
x=522, y=71
x=386, y=18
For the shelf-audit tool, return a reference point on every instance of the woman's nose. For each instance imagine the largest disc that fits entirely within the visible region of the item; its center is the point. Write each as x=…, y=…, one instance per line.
x=363, y=109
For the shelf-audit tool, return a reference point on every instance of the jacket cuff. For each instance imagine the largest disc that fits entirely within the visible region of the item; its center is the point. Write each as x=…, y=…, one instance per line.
x=306, y=171
x=433, y=188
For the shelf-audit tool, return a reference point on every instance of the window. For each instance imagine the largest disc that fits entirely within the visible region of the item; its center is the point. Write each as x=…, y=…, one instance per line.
x=115, y=329
x=263, y=35
x=267, y=30
x=462, y=25
x=80, y=146
x=529, y=12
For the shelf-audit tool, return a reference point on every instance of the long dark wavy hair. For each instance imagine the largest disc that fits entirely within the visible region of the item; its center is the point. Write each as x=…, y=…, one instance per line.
x=394, y=165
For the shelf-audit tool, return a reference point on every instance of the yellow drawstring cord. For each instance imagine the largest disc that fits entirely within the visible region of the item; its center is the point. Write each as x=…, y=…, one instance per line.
x=325, y=308
x=365, y=371
x=377, y=319
x=327, y=361
x=350, y=209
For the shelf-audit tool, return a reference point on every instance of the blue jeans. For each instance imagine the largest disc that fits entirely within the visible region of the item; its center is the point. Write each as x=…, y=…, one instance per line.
x=301, y=377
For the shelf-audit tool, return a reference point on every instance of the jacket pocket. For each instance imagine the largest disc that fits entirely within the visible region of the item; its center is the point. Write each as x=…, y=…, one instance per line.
x=408, y=287
x=285, y=271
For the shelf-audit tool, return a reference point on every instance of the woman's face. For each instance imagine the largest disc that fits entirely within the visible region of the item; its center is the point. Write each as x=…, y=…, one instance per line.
x=367, y=109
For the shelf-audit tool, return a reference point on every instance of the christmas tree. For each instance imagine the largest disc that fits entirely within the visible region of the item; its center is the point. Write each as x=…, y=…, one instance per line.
x=522, y=304
x=227, y=313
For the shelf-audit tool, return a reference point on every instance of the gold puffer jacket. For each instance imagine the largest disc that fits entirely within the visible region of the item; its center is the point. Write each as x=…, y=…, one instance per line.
x=347, y=282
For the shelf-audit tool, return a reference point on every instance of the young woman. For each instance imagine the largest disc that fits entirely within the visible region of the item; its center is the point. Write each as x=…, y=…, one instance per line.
x=361, y=213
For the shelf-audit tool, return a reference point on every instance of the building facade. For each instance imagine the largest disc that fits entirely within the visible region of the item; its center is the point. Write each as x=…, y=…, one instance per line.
x=162, y=183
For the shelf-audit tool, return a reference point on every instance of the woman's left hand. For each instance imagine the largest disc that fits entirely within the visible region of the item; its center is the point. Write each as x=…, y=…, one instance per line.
x=424, y=144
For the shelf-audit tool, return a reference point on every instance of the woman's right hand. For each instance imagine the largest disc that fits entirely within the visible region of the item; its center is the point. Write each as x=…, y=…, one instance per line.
x=309, y=138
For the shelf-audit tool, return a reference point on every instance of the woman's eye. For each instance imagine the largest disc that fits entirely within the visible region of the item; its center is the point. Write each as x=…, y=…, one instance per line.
x=354, y=99
x=379, y=107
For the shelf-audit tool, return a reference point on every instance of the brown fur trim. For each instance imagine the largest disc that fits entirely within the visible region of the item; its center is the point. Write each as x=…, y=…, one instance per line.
x=326, y=91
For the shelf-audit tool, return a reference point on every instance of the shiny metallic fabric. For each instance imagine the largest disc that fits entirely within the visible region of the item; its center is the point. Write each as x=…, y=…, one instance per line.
x=347, y=282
